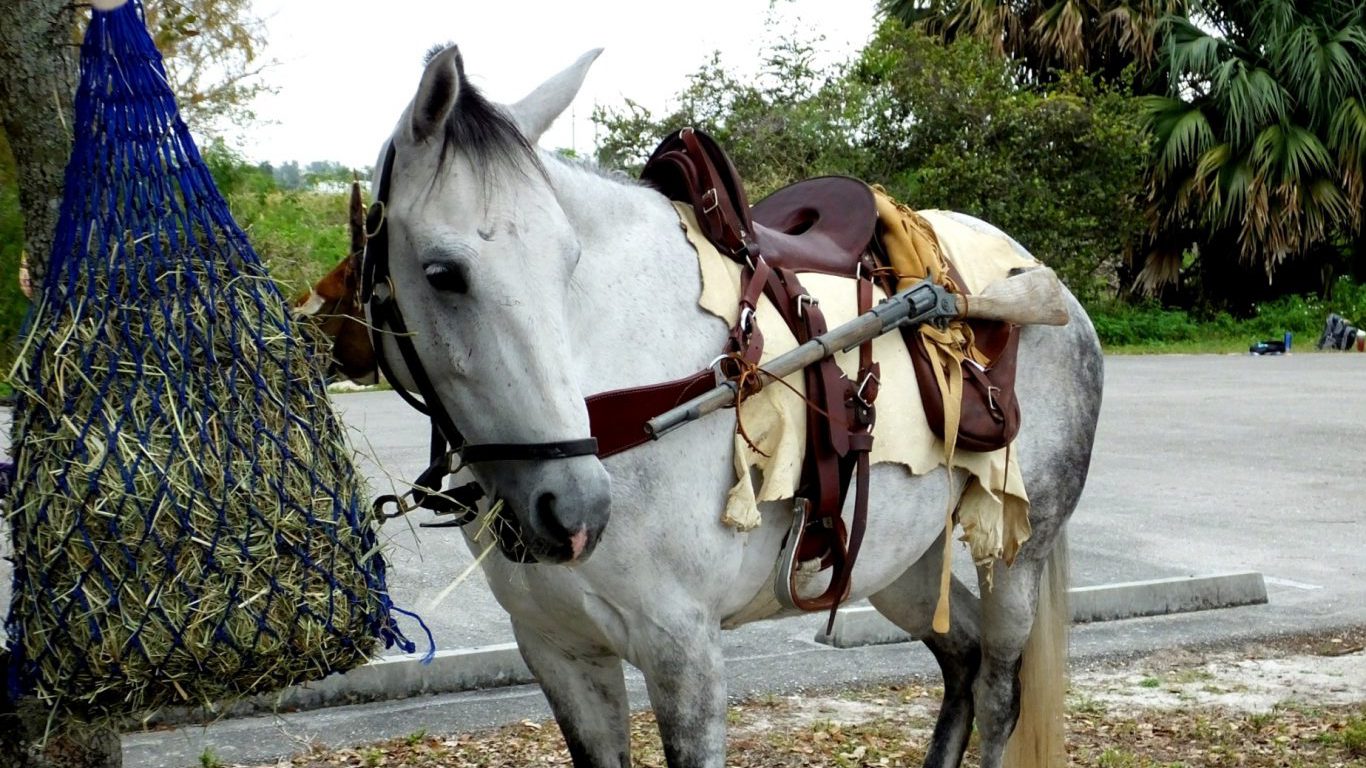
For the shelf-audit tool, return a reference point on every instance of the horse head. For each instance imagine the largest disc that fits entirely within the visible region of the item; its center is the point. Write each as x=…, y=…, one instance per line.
x=334, y=305
x=471, y=263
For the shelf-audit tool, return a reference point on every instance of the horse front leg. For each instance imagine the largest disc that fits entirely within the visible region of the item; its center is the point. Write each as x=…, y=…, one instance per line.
x=685, y=674
x=586, y=689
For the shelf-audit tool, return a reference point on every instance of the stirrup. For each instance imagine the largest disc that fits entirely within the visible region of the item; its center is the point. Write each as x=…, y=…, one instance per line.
x=787, y=560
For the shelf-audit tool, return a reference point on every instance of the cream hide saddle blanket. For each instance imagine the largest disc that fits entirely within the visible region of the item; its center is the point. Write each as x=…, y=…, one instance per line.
x=994, y=510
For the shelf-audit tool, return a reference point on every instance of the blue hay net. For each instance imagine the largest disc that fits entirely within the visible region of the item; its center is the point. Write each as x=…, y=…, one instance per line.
x=187, y=519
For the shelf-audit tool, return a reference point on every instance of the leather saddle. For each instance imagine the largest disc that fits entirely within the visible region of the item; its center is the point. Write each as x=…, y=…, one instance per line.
x=817, y=225
x=822, y=224
x=828, y=225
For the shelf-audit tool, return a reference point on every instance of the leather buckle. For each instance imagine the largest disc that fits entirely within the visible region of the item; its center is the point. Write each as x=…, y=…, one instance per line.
x=400, y=508
x=710, y=201
x=804, y=300
x=992, y=392
x=718, y=374
x=746, y=322
x=872, y=378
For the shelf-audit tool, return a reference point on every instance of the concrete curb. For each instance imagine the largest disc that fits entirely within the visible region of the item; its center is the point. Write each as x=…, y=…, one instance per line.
x=385, y=679
x=489, y=666
x=863, y=625
x=492, y=666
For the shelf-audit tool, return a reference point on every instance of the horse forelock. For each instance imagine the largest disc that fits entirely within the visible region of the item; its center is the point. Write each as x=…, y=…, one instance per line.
x=487, y=135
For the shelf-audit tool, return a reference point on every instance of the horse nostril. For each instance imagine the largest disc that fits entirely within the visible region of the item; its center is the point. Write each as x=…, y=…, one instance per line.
x=545, y=511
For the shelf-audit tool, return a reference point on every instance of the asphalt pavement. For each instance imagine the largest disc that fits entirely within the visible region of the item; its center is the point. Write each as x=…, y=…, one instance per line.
x=1203, y=465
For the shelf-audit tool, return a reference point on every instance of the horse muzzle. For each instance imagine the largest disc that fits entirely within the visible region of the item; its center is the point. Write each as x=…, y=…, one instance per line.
x=562, y=507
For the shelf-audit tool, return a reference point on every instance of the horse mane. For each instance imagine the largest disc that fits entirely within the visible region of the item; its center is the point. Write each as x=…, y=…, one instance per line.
x=588, y=164
x=482, y=130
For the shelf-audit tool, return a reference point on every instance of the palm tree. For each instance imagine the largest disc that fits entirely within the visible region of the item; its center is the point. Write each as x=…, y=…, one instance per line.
x=1101, y=37
x=1261, y=140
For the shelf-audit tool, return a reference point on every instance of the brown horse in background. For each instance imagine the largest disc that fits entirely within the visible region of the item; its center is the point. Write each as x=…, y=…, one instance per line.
x=334, y=305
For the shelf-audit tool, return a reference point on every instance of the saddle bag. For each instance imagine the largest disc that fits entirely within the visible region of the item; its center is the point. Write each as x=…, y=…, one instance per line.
x=990, y=416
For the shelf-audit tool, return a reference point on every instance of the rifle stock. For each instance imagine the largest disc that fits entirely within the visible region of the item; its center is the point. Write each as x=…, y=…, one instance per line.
x=1032, y=297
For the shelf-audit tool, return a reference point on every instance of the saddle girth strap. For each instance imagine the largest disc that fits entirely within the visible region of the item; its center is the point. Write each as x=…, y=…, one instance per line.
x=839, y=442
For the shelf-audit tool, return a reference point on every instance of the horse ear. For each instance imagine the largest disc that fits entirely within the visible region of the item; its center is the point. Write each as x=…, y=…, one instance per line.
x=538, y=109
x=437, y=93
x=357, y=221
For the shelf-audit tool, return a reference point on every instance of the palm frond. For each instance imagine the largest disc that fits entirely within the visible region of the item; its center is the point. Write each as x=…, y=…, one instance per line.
x=1192, y=50
x=1283, y=152
x=1060, y=33
x=1305, y=154
x=1347, y=137
x=1159, y=268
x=910, y=12
x=1307, y=59
x=1273, y=19
x=1325, y=200
x=1212, y=161
x=1233, y=186
x=1251, y=98
x=1347, y=130
x=1181, y=132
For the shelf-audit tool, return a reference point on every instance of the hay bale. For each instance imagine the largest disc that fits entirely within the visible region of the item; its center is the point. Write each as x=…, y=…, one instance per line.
x=187, y=519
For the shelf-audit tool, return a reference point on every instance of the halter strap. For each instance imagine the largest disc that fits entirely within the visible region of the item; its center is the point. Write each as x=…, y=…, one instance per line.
x=377, y=292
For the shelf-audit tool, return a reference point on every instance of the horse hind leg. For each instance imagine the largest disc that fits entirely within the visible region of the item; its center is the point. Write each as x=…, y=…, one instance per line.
x=586, y=689
x=1020, y=689
x=909, y=602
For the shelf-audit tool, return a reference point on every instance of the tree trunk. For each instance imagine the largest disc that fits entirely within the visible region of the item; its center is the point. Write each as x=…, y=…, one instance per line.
x=38, y=59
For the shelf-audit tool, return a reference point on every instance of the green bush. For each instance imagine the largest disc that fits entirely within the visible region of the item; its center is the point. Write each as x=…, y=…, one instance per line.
x=1149, y=326
x=1305, y=316
x=1060, y=170
x=1123, y=325
x=300, y=234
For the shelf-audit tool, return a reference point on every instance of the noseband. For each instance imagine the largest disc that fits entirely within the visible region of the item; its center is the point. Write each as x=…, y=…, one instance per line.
x=377, y=292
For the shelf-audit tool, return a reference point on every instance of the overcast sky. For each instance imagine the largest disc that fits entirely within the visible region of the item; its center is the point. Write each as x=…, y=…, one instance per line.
x=347, y=68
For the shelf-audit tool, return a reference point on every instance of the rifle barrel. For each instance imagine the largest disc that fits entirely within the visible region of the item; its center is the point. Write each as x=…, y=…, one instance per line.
x=918, y=303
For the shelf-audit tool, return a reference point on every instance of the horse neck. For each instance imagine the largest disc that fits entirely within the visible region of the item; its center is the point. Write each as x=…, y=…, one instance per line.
x=633, y=311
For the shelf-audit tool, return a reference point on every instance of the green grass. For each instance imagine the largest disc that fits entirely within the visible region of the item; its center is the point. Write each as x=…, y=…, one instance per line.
x=1352, y=736
x=1150, y=329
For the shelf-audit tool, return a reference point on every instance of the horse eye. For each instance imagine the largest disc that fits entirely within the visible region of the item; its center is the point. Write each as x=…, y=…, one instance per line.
x=445, y=276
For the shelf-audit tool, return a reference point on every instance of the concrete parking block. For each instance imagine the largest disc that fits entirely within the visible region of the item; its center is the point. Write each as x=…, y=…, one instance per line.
x=863, y=625
x=1107, y=602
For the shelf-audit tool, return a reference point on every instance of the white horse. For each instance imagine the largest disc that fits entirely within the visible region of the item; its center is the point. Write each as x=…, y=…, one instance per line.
x=528, y=282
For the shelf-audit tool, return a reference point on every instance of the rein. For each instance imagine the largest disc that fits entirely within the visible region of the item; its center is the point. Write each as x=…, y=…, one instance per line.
x=449, y=450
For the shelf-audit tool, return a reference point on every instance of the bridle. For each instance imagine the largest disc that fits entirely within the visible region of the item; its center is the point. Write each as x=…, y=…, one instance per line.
x=449, y=450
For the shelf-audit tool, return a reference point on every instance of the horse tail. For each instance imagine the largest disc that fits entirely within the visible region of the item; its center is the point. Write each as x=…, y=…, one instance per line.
x=1038, y=740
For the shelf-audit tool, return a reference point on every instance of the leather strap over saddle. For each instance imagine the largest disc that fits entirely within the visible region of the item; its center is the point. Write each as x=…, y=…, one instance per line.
x=827, y=225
